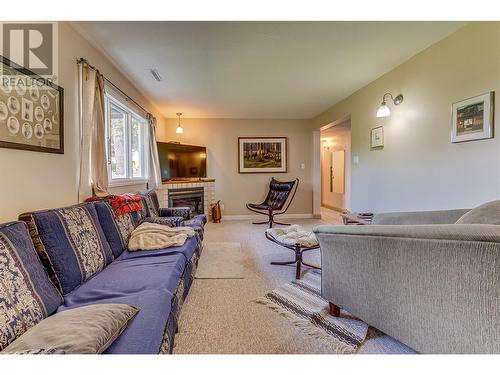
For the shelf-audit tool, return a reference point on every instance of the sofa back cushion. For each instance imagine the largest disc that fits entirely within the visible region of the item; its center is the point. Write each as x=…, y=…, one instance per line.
x=26, y=294
x=150, y=203
x=116, y=229
x=70, y=242
x=488, y=213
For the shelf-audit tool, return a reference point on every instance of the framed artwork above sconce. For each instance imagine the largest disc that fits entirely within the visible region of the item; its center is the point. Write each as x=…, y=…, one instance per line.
x=472, y=119
x=377, y=138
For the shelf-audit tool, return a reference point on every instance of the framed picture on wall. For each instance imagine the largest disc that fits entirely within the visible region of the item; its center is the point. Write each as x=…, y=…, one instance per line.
x=31, y=110
x=472, y=119
x=377, y=137
x=262, y=154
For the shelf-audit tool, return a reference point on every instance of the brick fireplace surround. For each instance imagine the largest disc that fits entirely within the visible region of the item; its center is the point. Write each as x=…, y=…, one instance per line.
x=208, y=186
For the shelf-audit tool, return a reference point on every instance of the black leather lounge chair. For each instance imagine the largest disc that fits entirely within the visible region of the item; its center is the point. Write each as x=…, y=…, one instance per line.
x=278, y=195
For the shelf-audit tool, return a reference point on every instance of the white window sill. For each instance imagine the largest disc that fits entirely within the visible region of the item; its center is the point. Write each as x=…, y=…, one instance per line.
x=115, y=183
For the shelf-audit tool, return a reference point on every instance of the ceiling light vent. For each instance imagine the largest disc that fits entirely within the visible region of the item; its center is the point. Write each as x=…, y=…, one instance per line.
x=155, y=74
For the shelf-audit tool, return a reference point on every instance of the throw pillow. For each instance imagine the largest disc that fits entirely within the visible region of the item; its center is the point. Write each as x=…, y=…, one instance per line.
x=38, y=351
x=71, y=243
x=84, y=330
x=26, y=294
x=116, y=229
x=488, y=213
x=150, y=203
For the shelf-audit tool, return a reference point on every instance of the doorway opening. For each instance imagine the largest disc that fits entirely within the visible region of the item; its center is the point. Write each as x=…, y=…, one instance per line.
x=334, y=167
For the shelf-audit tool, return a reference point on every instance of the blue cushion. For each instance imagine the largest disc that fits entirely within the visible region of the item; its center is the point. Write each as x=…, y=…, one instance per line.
x=171, y=221
x=72, y=240
x=26, y=294
x=202, y=218
x=150, y=203
x=116, y=229
x=197, y=223
x=131, y=276
x=144, y=333
x=187, y=250
x=184, y=212
x=148, y=283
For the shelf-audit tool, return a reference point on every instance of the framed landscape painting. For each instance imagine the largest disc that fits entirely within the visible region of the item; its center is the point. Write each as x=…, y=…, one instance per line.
x=472, y=119
x=262, y=155
x=31, y=110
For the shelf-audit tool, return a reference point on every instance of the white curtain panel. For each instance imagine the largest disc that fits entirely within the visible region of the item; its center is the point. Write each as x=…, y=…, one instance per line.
x=93, y=167
x=154, y=179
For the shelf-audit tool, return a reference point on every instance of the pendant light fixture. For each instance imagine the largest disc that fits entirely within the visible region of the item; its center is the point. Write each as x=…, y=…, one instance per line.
x=179, y=129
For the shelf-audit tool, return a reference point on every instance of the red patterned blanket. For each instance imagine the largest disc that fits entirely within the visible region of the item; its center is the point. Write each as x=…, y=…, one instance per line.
x=121, y=204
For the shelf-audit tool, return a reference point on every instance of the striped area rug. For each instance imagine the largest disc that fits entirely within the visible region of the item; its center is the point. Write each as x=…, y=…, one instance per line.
x=300, y=301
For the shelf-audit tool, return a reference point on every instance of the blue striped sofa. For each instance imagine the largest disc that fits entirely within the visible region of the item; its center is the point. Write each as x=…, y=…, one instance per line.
x=83, y=249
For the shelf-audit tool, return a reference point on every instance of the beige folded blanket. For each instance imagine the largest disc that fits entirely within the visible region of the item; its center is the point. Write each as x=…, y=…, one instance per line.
x=294, y=234
x=149, y=236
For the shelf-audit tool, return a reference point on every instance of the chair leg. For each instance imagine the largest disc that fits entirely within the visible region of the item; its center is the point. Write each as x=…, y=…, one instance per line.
x=280, y=223
x=261, y=222
x=297, y=271
x=334, y=309
x=277, y=222
x=283, y=263
x=311, y=265
x=268, y=221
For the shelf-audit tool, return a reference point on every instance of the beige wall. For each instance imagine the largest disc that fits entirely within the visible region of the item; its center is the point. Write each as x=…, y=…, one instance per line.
x=234, y=189
x=419, y=168
x=34, y=180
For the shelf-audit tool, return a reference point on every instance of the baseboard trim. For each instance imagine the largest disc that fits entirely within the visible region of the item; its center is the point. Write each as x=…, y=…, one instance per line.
x=262, y=217
x=333, y=208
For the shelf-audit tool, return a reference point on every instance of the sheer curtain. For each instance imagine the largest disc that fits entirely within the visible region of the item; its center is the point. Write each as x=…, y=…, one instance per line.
x=93, y=164
x=154, y=179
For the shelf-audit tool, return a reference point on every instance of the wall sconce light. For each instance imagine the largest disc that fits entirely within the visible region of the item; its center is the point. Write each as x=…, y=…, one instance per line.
x=383, y=110
x=326, y=144
x=179, y=129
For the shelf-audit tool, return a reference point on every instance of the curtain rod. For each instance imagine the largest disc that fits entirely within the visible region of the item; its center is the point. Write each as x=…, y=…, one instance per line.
x=81, y=60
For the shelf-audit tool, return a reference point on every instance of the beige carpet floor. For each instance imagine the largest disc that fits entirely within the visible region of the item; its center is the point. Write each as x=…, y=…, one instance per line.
x=219, y=317
x=221, y=260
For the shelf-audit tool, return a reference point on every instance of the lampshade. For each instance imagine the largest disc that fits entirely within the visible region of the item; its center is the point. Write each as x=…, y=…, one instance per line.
x=179, y=129
x=383, y=110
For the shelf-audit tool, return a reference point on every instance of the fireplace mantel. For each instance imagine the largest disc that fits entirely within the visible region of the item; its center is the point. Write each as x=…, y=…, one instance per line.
x=207, y=184
x=187, y=181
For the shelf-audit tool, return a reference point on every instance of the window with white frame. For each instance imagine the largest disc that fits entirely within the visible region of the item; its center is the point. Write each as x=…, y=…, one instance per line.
x=127, y=146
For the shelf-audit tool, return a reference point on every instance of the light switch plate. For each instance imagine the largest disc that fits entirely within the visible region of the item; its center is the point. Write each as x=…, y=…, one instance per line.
x=355, y=159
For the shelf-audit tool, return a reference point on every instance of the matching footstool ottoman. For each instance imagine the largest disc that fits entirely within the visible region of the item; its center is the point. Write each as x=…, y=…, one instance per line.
x=296, y=239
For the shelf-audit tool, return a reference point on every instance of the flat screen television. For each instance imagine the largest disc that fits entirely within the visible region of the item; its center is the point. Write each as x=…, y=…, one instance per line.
x=182, y=161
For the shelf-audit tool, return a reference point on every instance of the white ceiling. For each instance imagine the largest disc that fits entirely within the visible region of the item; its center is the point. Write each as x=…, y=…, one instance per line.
x=258, y=69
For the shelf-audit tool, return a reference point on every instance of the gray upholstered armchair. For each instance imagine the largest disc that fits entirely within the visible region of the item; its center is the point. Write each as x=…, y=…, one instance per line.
x=428, y=279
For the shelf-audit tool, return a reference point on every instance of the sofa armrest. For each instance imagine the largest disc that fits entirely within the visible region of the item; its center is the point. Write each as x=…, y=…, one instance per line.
x=417, y=218
x=450, y=232
x=183, y=212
